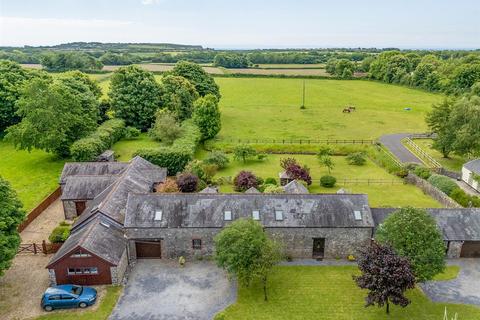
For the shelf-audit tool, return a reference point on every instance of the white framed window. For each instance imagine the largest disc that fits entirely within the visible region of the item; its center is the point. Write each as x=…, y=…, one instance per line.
x=79, y=271
x=81, y=254
x=256, y=215
x=358, y=215
x=278, y=215
x=227, y=215
x=158, y=215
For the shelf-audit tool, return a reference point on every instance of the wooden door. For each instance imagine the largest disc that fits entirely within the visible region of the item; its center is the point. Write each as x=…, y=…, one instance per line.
x=80, y=206
x=318, y=248
x=470, y=249
x=148, y=249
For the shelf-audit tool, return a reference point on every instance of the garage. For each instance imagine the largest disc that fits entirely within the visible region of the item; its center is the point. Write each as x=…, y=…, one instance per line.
x=151, y=249
x=470, y=249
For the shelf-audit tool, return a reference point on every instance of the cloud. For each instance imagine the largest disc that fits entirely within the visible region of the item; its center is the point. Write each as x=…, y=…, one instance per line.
x=149, y=2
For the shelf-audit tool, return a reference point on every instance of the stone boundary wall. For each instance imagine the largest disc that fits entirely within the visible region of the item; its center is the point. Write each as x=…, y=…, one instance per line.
x=32, y=215
x=432, y=191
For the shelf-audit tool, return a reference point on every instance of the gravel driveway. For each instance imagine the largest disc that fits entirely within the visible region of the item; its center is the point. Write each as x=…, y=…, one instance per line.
x=464, y=289
x=162, y=290
x=393, y=142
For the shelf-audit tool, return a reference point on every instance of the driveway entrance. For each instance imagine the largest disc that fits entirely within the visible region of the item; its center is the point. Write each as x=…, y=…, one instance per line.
x=163, y=290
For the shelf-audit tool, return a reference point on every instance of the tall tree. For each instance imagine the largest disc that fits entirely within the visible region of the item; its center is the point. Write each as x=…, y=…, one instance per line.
x=414, y=234
x=438, y=120
x=135, y=96
x=206, y=115
x=11, y=215
x=245, y=252
x=55, y=114
x=178, y=96
x=385, y=275
x=203, y=82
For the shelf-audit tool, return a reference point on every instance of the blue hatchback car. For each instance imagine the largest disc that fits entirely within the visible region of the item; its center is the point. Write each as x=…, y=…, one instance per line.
x=68, y=296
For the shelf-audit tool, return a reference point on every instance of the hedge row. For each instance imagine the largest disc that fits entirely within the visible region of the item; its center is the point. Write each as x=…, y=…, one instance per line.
x=176, y=156
x=443, y=183
x=89, y=148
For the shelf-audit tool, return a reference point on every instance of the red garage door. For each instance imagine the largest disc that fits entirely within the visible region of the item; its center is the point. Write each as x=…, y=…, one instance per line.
x=148, y=249
x=470, y=249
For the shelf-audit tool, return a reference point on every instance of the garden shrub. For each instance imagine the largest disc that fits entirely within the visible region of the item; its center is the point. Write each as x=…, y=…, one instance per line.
x=244, y=181
x=217, y=158
x=210, y=171
x=356, y=159
x=443, y=183
x=295, y=171
x=271, y=181
x=401, y=172
x=187, y=182
x=179, y=154
x=90, y=147
x=196, y=167
x=169, y=186
x=422, y=172
x=328, y=181
x=131, y=133
x=464, y=199
x=201, y=185
x=60, y=234
x=165, y=127
x=271, y=188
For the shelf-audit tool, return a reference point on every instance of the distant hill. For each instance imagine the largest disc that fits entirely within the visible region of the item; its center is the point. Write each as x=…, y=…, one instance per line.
x=137, y=47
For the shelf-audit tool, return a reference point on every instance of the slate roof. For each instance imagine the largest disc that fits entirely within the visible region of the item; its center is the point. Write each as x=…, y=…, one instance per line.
x=209, y=190
x=98, y=237
x=295, y=187
x=459, y=224
x=284, y=175
x=206, y=210
x=85, y=187
x=138, y=177
x=473, y=166
x=252, y=190
x=91, y=169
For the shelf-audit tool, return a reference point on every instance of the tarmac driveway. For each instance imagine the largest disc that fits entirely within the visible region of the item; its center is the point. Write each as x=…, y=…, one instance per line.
x=464, y=289
x=163, y=290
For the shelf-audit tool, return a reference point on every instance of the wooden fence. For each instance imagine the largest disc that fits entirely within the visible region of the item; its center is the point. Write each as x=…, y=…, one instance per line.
x=420, y=153
x=32, y=215
x=35, y=248
x=349, y=181
x=297, y=141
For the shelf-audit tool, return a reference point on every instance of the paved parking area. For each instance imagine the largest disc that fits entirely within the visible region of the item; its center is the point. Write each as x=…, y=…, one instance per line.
x=464, y=289
x=159, y=290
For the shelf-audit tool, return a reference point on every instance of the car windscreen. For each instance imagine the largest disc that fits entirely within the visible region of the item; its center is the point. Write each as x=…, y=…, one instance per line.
x=77, y=290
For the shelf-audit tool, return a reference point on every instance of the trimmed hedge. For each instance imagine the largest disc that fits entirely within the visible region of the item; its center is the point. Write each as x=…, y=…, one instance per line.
x=443, y=183
x=179, y=154
x=60, y=234
x=89, y=148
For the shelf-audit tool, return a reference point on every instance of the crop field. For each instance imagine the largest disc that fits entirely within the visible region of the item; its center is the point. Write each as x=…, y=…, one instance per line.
x=292, y=66
x=391, y=193
x=280, y=71
x=270, y=108
x=162, y=67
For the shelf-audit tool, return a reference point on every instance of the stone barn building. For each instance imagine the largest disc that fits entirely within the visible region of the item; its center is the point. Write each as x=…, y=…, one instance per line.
x=460, y=229
x=471, y=174
x=309, y=226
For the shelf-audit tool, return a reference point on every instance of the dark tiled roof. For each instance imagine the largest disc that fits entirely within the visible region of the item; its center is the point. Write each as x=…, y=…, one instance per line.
x=461, y=224
x=138, y=177
x=206, y=210
x=209, y=190
x=473, y=166
x=91, y=169
x=252, y=190
x=295, y=187
x=98, y=237
x=86, y=187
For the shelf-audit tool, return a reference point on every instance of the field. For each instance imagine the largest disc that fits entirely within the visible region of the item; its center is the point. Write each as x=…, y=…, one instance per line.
x=453, y=163
x=162, y=67
x=33, y=175
x=125, y=149
x=292, y=66
x=276, y=106
x=388, y=194
x=309, y=292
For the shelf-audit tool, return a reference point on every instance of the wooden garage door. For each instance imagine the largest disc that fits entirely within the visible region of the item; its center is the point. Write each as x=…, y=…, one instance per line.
x=470, y=249
x=148, y=249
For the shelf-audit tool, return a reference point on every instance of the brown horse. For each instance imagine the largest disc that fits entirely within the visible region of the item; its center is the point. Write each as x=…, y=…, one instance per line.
x=347, y=110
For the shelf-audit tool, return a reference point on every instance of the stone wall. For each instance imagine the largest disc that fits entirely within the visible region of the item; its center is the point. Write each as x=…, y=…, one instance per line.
x=69, y=209
x=432, y=191
x=117, y=273
x=51, y=277
x=454, y=249
x=297, y=242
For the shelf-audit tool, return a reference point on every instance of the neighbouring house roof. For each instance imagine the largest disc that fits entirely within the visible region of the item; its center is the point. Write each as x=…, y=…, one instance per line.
x=473, y=166
x=91, y=169
x=207, y=210
x=284, y=175
x=138, y=177
x=295, y=187
x=98, y=237
x=107, y=154
x=86, y=187
x=462, y=224
x=209, y=190
x=252, y=190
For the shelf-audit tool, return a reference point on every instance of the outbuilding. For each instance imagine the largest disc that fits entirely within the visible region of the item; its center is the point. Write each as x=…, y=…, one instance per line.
x=471, y=174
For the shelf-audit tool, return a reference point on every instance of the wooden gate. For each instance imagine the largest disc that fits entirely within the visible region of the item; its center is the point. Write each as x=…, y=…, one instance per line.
x=35, y=248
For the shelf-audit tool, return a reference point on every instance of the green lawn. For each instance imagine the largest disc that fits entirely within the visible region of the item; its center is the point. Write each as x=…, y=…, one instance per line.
x=102, y=313
x=269, y=108
x=450, y=273
x=379, y=195
x=124, y=149
x=33, y=175
x=454, y=162
x=310, y=292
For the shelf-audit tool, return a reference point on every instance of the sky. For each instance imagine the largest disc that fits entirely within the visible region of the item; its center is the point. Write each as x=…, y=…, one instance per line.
x=245, y=24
